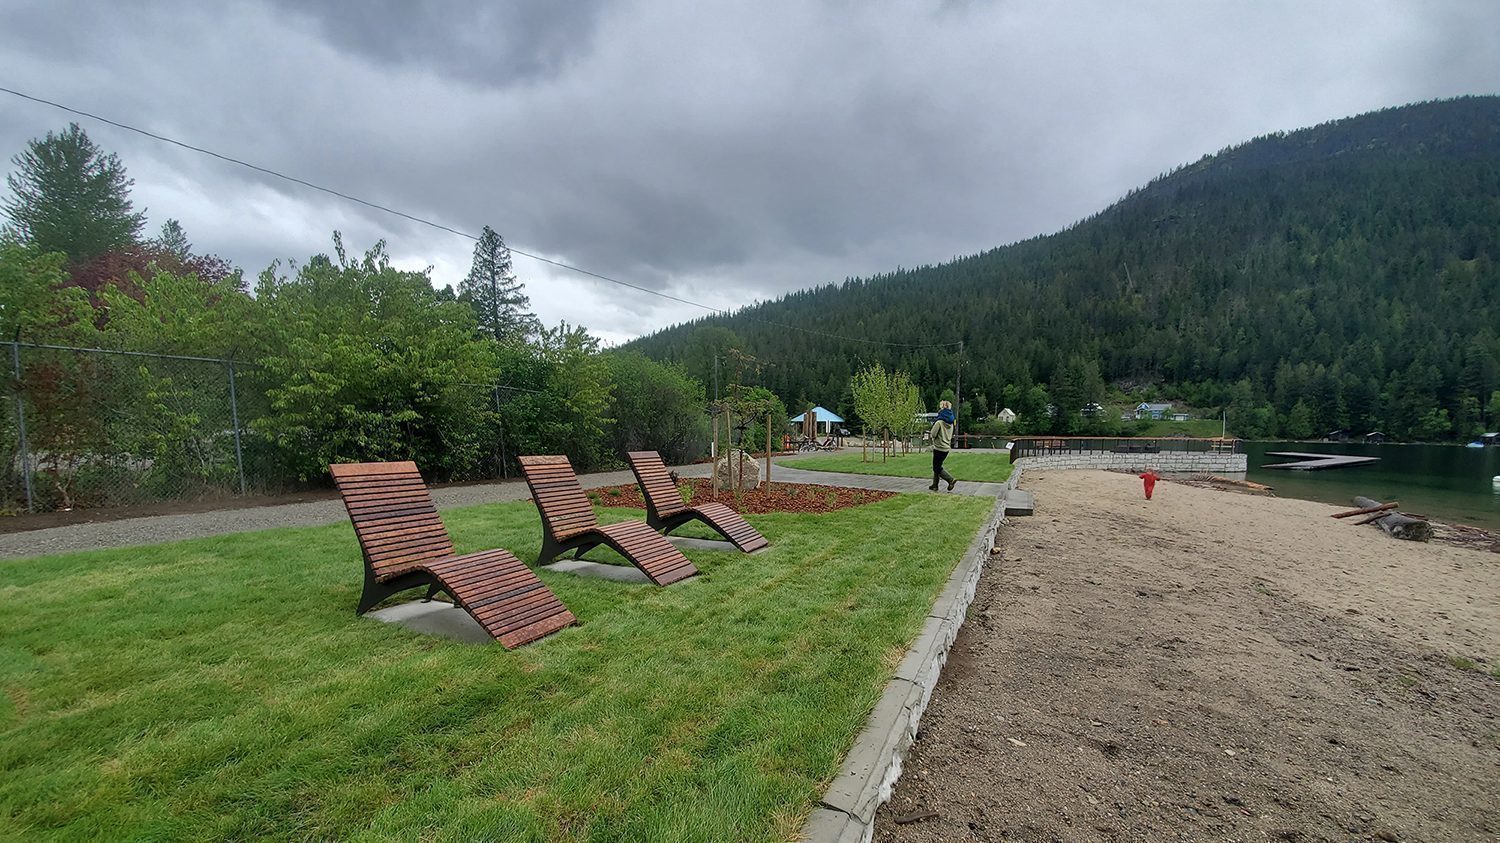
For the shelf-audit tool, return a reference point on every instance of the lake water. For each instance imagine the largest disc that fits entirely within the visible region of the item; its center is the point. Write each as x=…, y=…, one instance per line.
x=1446, y=482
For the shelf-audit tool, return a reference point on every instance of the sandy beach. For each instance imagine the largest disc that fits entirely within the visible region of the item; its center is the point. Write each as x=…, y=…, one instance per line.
x=1211, y=665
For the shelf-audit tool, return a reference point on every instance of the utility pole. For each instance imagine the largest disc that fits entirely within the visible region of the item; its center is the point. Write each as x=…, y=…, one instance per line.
x=716, y=378
x=958, y=389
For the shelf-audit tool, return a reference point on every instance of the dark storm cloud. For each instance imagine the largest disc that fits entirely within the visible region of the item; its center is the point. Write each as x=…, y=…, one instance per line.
x=721, y=152
x=487, y=43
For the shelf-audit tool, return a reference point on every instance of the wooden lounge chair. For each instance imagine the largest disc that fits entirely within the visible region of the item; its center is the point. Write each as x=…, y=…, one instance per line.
x=405, y=545
x=568, y=523
x=666, y=511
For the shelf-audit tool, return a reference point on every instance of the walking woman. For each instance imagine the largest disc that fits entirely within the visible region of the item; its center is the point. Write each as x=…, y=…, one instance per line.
x=942, y=441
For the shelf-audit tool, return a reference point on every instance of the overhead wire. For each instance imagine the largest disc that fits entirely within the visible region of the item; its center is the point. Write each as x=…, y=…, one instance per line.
x=441, y=227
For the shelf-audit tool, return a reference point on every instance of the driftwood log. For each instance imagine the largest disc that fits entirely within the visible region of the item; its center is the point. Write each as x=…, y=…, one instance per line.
x=1366, y=511
x=1397, y=524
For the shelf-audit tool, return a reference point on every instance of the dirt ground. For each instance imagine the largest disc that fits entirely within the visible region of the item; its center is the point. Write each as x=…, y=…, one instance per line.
x=1211, y=666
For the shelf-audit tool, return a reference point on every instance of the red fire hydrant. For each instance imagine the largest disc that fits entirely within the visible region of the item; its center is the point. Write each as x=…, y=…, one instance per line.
x=1148, y=479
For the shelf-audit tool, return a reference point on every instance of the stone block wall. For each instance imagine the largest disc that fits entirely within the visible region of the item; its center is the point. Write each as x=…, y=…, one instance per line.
x=1167, y=461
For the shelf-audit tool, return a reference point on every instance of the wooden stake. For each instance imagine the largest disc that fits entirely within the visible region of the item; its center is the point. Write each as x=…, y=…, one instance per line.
x=768, y=453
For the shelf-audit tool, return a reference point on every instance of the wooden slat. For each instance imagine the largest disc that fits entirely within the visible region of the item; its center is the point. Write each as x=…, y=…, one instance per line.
x=656, y=484
x=733, y=525
x=649, y=551
x=527, y=611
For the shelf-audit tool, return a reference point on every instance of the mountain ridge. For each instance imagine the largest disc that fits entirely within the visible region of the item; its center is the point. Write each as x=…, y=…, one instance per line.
x=1348, y=267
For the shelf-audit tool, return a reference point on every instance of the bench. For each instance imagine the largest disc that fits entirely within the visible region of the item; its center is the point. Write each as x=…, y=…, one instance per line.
x=569, y=523
x=405, y=545
x=666, y=510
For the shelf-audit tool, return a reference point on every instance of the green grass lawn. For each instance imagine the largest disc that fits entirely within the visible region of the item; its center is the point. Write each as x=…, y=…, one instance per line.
x=990, y=467
x=224, y=688
x=1196, y=428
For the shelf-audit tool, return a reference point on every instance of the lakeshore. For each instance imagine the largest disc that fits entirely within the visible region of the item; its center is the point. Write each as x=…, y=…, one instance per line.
x=1211, y=665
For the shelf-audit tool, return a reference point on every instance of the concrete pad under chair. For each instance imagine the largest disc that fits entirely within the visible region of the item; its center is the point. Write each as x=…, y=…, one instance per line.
x=443, y=620
x=703, y=544
x=599, y=570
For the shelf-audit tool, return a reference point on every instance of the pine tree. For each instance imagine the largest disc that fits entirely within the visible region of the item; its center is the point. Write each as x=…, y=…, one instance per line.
x=174, y=240
x=68, y=196
x=492, y=290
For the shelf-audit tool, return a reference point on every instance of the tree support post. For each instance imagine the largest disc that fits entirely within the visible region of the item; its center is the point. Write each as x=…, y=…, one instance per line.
x=768, y=453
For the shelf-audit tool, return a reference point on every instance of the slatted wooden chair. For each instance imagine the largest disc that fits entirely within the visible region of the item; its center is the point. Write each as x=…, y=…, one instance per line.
x=666, y=511
x=568, y=523
x=405, y=546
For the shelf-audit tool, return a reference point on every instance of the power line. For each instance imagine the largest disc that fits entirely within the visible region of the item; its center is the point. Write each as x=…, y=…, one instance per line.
x=441, y=227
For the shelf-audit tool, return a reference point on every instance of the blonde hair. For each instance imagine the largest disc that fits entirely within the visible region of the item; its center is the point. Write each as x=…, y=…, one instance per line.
x=945, y=405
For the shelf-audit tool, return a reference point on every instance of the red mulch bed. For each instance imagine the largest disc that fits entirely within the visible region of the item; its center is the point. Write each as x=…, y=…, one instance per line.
x=783, y=497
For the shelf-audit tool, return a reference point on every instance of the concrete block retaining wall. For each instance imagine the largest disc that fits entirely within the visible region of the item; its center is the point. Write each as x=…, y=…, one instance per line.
x=1173, y=461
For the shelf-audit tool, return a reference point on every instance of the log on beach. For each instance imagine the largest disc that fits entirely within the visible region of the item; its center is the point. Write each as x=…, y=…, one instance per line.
x=1397, y=524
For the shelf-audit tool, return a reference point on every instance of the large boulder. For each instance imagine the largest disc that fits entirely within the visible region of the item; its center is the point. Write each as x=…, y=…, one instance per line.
x=751, y=469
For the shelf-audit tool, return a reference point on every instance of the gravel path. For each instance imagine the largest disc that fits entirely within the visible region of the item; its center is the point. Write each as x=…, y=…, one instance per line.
x=165, y=528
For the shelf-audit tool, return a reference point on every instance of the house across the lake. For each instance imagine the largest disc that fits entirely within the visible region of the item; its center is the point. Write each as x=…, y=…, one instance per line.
x=1337, y=436
x=1157, y=412
x=1006, y=416
x=1374, y=438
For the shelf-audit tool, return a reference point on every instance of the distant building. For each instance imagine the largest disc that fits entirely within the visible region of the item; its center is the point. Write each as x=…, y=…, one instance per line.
x=1374, y=438
x=1006, y=416
x=1490, y=439
x=1156, y=412
x=1337, y=436
x=1180, y=417
x=1091, y=409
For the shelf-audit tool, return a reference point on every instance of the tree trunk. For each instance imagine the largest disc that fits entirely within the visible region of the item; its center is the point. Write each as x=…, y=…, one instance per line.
x=1397, y=524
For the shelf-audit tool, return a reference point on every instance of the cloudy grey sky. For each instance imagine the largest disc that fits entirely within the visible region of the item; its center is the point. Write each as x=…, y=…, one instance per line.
x=722, y=152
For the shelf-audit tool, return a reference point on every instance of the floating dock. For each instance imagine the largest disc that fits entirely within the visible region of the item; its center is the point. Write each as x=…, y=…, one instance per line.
x=1317, y=462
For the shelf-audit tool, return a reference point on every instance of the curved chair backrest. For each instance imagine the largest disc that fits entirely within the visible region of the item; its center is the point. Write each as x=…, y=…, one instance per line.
x=559, y=496
x=662, y=496
x=394, y=517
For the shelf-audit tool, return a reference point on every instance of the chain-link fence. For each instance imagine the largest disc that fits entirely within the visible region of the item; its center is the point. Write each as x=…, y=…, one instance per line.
x=91, y=428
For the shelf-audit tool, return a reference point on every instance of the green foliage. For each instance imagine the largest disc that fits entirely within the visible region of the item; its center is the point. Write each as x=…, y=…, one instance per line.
x=562, y=406
x=34, y=305
x=656, y=407
x=360, y=361
x=68, y=196
x=491, y=289
x=1319, y=266
x=887, y=402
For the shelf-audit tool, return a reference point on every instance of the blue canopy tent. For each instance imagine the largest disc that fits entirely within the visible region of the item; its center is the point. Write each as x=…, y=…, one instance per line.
x=826, y=422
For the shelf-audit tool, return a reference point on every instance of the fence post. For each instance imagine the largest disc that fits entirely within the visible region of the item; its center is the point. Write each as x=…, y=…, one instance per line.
x=234, y=417
x=15, y=359
x=500, y=433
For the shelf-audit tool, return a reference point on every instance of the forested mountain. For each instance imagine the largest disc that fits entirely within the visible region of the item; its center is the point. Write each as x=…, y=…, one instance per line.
x=1341, y=276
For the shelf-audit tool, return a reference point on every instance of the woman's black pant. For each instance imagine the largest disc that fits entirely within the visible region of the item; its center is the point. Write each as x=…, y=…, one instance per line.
x=938, y=472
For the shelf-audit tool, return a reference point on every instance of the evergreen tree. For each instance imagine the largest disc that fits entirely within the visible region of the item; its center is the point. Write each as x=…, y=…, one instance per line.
x=173, y=240
x=492, y=290
x=68, y=196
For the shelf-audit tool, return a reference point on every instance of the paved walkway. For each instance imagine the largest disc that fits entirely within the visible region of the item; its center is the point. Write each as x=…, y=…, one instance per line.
x=786, y=473
x=165, y=528
x=152, y=529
